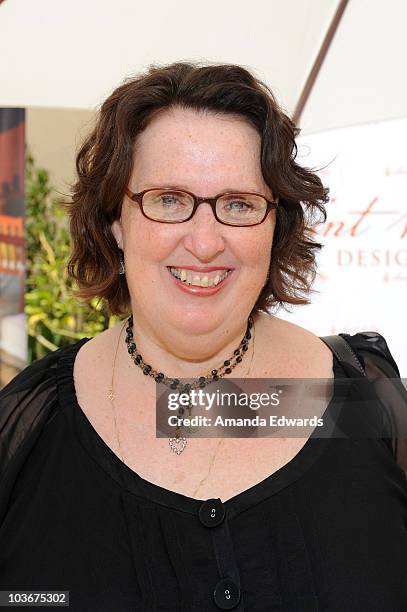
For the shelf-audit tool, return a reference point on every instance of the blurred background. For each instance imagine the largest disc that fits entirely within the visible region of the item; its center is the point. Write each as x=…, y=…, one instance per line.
x=335, y=66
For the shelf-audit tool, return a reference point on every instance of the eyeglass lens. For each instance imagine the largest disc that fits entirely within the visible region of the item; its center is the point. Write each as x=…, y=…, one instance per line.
x=234, y=209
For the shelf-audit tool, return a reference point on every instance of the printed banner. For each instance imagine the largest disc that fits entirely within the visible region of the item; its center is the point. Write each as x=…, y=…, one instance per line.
x=362, y=277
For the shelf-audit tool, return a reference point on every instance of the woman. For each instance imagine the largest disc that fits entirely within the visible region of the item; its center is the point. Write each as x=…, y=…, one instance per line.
x=93, y=502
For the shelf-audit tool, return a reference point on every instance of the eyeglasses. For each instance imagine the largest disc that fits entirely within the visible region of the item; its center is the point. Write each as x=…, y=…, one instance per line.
x=175, y=206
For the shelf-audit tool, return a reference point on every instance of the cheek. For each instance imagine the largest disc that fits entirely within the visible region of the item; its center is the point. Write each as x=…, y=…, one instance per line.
x=149, y=243
x=255, y=251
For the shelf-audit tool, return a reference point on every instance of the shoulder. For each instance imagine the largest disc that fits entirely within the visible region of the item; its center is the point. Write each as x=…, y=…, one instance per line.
x=293, y=350
x=300, y=345
x=26, y=403
x=93, y=364
x=373, y=351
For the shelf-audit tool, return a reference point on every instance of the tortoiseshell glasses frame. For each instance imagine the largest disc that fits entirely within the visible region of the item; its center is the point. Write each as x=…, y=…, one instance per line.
x=138, y=198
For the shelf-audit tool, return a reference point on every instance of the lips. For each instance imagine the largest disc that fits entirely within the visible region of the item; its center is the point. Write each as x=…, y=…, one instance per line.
x=202, y=269
x=198, y=290
x=206, y=279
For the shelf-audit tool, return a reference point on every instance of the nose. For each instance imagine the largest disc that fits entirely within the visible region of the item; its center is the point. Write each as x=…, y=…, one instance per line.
x=204, y=237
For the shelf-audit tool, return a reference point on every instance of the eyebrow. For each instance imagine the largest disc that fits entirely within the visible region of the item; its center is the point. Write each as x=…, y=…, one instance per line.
x=181, y=188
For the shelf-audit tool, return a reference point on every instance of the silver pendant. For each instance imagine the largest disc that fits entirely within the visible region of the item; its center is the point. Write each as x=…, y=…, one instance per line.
x=177, y=444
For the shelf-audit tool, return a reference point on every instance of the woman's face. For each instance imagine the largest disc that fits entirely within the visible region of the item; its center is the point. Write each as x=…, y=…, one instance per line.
x=205, y=154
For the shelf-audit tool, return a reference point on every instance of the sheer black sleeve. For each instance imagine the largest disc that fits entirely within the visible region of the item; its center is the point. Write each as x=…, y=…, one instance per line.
x=27, y=403
x=383, y=372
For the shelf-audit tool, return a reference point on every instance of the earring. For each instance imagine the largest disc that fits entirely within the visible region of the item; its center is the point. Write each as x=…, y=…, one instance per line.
x=122, y=269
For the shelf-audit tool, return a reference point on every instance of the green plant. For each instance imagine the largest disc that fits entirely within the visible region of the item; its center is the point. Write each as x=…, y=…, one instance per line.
x=55, y=316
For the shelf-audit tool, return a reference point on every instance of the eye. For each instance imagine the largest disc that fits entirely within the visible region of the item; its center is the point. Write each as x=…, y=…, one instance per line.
x=238, y=205
x=169, y=199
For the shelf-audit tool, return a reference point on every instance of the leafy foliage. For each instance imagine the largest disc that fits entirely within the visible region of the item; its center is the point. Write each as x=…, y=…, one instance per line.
x=55, y=316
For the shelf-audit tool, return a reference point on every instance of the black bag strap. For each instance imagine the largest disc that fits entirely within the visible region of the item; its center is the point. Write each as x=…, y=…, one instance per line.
x=343, y=351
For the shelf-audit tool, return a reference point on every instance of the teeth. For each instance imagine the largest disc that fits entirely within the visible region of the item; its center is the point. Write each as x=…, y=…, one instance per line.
x=196, y=279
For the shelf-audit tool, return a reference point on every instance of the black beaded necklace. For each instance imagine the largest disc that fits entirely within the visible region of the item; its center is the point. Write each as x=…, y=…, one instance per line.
x=178, y=443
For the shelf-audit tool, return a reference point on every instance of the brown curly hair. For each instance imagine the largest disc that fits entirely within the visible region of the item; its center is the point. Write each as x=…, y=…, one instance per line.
x=105, y=160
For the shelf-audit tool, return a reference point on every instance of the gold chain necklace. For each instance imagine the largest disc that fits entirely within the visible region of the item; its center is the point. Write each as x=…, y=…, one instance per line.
x=111, y=396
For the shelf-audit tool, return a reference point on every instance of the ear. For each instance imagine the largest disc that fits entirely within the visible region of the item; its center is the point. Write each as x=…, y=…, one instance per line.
x=117, y=232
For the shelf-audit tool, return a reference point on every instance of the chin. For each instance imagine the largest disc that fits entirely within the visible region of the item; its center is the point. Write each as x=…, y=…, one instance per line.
x=197, y=321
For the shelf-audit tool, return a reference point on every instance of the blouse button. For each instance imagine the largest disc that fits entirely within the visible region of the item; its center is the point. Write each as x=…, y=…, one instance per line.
x=226, y=594
x=211, y=512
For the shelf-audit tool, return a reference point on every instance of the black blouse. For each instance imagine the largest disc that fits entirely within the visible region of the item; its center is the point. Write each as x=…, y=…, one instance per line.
x=327, y=531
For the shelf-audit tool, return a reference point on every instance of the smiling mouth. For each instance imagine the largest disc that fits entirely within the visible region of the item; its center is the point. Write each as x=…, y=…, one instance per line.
x=199, y=279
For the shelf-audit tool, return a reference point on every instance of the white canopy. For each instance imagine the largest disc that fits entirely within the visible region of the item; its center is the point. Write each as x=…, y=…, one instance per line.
x=73, y=54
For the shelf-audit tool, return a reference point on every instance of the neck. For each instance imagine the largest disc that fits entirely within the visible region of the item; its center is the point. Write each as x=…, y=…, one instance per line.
x=178, y=355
